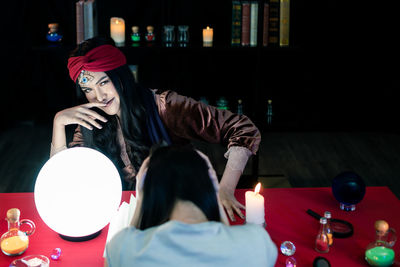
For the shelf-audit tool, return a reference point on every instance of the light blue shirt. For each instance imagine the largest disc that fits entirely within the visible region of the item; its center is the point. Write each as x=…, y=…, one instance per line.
x=204, y=244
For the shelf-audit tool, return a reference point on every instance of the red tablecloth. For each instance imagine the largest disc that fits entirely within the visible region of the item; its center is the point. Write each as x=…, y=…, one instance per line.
x=286, y=218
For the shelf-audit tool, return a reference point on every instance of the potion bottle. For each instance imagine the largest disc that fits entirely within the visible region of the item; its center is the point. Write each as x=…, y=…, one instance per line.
x=54, y=35
x=380, y=252
x=269, y=112
x=135, y=36
x=14, y=241
x=240, y=107
x=322, y=240
x=150, y=36
x=329, y=231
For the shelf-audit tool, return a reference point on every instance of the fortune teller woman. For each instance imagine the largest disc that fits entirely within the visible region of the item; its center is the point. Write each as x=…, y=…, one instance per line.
x=123, y=120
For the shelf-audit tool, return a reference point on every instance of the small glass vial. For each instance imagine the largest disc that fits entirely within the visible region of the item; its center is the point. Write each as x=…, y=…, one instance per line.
x=322, y=241
x=135, y=36
x=380, y=252
x=15, y=242
x=329, y=231
x=240, y=107
x=150, y=36
x=269, y=112
x=53, y=35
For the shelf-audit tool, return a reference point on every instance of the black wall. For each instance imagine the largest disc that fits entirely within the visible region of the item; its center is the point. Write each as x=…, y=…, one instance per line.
x=343, y=74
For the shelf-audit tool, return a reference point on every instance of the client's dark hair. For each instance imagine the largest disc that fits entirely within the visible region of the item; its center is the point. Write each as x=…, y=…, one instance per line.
x=176, y=173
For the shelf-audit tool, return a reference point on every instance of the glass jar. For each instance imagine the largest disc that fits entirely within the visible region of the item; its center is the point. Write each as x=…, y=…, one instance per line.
x=53, y=35
x=150, y=36
x=380, y=252
x=14, y=241
x=183, y=35
x=169, y=35
x=135, y=36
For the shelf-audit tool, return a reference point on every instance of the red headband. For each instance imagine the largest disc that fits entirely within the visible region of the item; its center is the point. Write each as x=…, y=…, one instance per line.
x=99, y=59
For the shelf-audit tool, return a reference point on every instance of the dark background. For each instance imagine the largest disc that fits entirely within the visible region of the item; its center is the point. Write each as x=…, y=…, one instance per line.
x=339, y=73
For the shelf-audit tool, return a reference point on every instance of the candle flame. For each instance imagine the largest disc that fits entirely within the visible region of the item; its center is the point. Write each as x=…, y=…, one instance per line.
x=208, y=28
x=257, y=189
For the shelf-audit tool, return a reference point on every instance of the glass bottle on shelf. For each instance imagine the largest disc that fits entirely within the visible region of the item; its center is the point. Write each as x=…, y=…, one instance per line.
x=53, y=35
x=269, y=112
x=204, y=100
x=169, y=35
x=380, y=252
x=329, y=231
x=183, y=35
x=222, y=103
x=14, y=241
x=150, y=36
x=322, y=241
x=135, y=36
x=240, y=107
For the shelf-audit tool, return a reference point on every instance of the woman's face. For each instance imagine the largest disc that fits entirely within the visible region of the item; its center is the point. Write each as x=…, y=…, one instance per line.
x=97, y=87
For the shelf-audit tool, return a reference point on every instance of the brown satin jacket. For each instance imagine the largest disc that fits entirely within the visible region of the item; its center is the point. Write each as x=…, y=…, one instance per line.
x=186, y=119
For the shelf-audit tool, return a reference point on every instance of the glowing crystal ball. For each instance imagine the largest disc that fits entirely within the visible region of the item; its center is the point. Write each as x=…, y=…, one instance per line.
x=77, y=192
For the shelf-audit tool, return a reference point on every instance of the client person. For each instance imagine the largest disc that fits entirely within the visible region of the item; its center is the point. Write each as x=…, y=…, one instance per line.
x=179, y=220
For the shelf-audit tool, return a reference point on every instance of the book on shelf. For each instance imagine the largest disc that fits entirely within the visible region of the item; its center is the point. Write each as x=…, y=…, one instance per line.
x=253, y=23
x=236, y=23
x=80, y=30
x=245, y=23
x=260, y=21
x=284, y=22
x=273, y=23
x=265, y=22
x=90, y=19
x=86, y=20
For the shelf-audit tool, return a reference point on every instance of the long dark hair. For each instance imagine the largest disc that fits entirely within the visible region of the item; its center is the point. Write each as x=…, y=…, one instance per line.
x=133, y=118
x=176, y=173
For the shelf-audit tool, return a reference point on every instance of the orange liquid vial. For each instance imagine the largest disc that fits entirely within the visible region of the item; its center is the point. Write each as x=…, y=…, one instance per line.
x=15, y=245
x=15, y=242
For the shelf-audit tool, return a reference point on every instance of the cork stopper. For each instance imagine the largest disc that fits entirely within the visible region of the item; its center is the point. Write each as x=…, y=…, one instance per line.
x=135, y=29
x=13, y=215
x=381, y=227
x=150, y=28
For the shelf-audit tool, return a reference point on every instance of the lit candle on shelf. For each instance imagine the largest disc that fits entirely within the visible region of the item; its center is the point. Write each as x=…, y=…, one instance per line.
x=117, y=30
x=207, y=36
x=255, y=206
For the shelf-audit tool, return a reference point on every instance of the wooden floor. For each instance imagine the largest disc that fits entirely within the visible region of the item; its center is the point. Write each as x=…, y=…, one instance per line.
x=295, y=159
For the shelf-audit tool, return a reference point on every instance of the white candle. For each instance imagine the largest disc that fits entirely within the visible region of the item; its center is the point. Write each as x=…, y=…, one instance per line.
x=208, y=36
x=117, y=30
x=255, y=206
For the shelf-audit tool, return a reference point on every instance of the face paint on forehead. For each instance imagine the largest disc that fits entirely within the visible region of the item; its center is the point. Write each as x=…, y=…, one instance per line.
x=85, y=77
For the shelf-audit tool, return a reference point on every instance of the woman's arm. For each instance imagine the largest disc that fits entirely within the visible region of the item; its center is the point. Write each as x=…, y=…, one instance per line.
x=81, y=115
x=188, y=119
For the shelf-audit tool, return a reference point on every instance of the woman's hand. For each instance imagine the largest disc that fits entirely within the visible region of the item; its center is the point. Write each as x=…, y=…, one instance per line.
x=230, y=203
x=81, y=115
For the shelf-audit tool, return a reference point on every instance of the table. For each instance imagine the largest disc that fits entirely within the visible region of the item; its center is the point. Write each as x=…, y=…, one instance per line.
x=286, y=218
